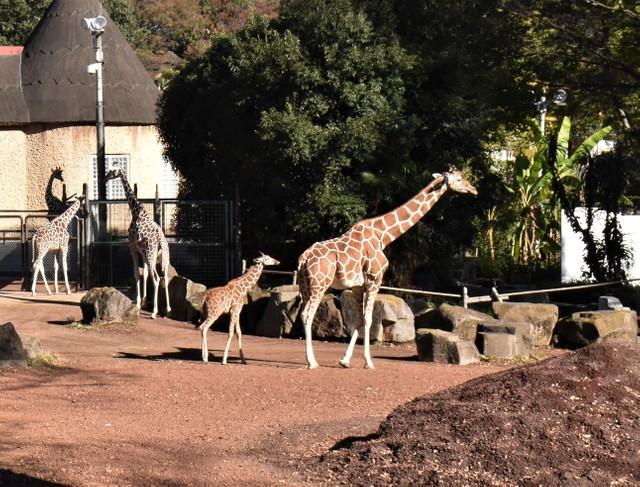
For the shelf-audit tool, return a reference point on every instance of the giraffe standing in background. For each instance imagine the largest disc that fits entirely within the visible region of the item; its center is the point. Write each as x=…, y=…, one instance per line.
x=356, y=260
x=145, y=239
x=54, y=236
x=230, y=299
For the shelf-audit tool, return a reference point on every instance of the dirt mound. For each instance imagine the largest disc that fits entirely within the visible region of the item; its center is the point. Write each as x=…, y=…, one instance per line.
x=570, y=420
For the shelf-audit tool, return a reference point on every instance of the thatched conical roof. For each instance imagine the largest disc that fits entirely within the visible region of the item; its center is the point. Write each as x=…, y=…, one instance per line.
x=55, y=82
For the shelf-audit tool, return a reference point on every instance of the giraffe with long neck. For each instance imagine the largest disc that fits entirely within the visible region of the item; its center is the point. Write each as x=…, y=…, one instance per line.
x=147, y=240
x=230, y=299
x=356, y=260
x=54, y=237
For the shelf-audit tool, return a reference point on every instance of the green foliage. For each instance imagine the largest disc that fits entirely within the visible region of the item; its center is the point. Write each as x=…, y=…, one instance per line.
x=18, y=18
x=289, y=112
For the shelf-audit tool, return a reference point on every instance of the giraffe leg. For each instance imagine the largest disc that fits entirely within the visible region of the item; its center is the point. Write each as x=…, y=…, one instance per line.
x=369, y=301
x=136, y=273
x=308, y=312
x=204, y=328
x=145, y=276
x=239, y=335
x=55, y=272
x=156, y=285
x=358, y=294
x=40, y=268
x=64, y=269
x=233, y=321
x=35, y=270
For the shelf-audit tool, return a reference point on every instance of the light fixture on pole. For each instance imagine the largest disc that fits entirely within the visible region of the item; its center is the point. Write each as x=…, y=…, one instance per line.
x=96, y=26
x=559, y=98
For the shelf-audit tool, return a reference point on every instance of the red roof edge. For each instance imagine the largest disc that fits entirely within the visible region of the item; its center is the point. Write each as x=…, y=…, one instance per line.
x=10, y=50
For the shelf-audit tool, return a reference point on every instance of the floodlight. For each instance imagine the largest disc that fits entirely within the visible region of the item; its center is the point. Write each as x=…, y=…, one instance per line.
x=560, y=97
x=94, y=24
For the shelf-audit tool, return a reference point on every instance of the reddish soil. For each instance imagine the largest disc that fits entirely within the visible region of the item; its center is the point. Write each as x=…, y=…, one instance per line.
x=569, y=420
x=138, y=407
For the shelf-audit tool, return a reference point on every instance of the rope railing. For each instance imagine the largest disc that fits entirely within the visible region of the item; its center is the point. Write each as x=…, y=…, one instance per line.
x=464, y=297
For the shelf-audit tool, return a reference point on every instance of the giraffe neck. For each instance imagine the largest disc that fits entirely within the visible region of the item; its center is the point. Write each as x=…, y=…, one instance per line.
x=136, y=207
x=65, y=218
x=250, y=278
x=398, y=221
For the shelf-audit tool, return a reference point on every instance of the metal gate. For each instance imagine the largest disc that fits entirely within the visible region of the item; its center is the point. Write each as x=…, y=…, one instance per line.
x=12, y=248
x=200, y=236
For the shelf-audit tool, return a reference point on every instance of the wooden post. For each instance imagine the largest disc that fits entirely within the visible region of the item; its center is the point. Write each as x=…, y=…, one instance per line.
x=465, y=297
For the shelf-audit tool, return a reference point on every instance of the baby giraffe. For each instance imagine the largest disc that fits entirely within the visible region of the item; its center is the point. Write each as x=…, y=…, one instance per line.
x=229, y=299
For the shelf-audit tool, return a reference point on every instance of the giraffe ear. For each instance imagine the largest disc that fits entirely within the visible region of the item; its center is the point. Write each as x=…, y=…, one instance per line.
x=436, y=175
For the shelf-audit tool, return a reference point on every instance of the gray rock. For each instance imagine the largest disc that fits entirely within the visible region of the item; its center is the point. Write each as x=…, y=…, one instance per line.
x=257, y=301
x=543, y=317
x=584, y=328
x=501, y=345
x=101, y=305
x=186, y=299
x=445, y=347
x=12, y=353
x=32, y=347
x=609, y=303
x=456, y=319
x=280, y=315
x=327, y=323
x=523, y=333
x=391, y=321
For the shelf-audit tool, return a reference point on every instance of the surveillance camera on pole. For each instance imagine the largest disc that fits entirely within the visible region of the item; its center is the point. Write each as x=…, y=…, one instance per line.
x=94, y=24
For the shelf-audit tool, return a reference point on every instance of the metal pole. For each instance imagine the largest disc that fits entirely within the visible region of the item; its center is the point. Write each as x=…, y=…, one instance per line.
x=102, y=187
x=543, y=112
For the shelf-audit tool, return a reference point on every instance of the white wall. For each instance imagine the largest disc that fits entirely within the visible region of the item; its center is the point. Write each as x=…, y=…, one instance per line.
x=572, y=256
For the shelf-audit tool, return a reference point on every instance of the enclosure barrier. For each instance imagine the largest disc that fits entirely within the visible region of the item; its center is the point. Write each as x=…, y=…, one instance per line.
x=463, y=296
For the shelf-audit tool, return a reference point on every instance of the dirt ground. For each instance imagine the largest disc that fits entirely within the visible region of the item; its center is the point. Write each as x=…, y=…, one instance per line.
x=138, y=407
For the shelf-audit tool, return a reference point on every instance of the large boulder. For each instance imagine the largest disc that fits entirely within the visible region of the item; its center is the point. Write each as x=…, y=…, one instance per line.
x=186, y=299
x=609, y=303
x=257, y=301
x=328, y=323
x=391, y=321
x=456, y=319
x=495, y=344
x=435, y=345
x=281, y=312
x=522, y=342
x=12, y=353
x=584, y=328
x=102, y=305
x=543, y=317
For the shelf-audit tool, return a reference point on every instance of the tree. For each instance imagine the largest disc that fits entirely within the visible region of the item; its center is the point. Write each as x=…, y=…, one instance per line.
x=18, y=18
x=289, y=112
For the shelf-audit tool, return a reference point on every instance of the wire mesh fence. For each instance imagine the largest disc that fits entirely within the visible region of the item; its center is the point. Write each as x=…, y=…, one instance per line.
x=11, y=247
x=199, y=233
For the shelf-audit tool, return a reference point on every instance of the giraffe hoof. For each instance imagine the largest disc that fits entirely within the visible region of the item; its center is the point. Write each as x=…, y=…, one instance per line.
x=313, y=366
x=344, y=364
x=369, y=366
x=153, y=316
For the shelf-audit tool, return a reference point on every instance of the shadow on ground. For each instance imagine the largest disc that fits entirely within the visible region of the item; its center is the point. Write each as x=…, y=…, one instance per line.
x=9, y=478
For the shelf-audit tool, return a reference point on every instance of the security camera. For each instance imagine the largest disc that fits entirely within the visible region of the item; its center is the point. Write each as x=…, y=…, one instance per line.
x=94, y=24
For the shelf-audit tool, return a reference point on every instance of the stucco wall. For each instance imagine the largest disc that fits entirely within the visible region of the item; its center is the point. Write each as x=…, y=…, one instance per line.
x=12, y=169
x=72, y=148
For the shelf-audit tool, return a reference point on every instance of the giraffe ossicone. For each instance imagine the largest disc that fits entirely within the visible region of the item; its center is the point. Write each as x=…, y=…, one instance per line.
x=356, y=260
x=230, y=299
x=147, y=240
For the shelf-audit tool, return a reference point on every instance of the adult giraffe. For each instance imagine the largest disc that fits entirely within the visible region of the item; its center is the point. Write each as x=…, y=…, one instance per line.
x=356, y=259
x=145, y=239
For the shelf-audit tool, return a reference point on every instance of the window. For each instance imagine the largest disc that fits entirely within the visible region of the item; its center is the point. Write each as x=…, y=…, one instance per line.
x=168, y=181
x=115, y=191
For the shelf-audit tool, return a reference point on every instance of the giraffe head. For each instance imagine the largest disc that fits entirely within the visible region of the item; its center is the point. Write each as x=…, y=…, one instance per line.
x=56, y=173
x=455, y=181
x=113, y=174
x=264, y=259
